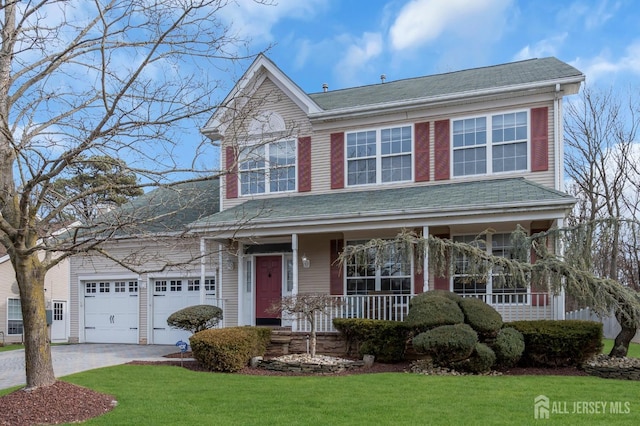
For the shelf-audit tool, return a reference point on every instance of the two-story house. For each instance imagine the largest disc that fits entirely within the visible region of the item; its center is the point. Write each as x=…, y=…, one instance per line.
x=448, y=155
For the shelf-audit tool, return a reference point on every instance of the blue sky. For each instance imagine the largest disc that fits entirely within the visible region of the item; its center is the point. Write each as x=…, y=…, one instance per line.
x=347, y=43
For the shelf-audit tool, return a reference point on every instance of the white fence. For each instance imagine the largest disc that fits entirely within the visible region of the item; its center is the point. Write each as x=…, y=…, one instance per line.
x=512, y=307
x=610, y=325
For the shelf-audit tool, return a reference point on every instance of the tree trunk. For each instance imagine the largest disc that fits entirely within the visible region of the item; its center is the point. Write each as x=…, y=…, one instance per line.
x=37, y=348
x=621, y=344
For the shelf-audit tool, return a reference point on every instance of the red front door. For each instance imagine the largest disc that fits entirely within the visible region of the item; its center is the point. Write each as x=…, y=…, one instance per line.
x=268, y=288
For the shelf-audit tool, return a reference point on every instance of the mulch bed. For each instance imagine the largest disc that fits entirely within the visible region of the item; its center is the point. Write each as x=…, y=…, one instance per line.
x=68, y=403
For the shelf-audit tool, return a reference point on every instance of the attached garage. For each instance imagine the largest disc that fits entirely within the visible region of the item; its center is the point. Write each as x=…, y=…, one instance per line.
x=169, y=296
x=111, y=311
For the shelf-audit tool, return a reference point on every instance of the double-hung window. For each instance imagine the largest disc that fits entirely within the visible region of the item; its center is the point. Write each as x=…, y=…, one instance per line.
x=379, y=156
x=14, y=317
x=391, y=275
x=268, y=168
x=490, y=144
x=497, y=284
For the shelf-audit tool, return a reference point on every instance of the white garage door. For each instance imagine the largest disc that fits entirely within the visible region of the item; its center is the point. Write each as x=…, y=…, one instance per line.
x=170, y=296
x=111, y=311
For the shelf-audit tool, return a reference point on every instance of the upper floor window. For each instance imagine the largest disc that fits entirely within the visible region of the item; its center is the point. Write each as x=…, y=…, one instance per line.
x=268, y=168
x=379, y=156
x=493, y=144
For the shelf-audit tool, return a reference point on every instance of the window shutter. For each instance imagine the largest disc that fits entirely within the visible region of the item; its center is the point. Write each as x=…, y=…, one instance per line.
x=441, y=155
x=421, y=149
x=232, y=175
x=337, y=160
x=442, y=283
x=539, y=139
x=335, y=274
x=304, y=164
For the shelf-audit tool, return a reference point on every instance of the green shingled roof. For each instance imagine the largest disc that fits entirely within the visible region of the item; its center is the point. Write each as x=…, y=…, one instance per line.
x=512, y=74
x=464, y=196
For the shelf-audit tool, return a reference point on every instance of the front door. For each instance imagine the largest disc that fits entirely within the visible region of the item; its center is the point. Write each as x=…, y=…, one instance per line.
x=59, y=321
x=268, y=288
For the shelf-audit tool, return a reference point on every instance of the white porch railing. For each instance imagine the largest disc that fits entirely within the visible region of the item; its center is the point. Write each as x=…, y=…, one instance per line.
x=512, y=307
x=212, y=300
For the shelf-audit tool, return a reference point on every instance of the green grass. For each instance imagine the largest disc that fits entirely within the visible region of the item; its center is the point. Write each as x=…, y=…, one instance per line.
x=164, y=395
x=634, y=348
x=10, y=347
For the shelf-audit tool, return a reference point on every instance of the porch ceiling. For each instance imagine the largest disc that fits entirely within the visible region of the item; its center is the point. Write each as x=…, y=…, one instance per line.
x=423, y=203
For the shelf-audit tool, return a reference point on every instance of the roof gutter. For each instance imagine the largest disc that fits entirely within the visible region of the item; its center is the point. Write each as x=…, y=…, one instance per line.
x=404, y=104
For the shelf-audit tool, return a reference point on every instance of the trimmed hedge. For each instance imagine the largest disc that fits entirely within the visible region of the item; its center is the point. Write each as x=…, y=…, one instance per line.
x=441, y=293
x=508, y=347
x=480, y=361
x=433, y=311
x=447, y=344
x=229, y=349
x=550, y=343
x=484, y=319
x=195, y=318
x=386, y=340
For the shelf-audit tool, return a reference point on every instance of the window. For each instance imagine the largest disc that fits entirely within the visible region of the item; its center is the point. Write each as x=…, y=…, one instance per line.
x=133, y=286
x=104, y=287
x=161, y=286
x=494, y=144
x=175, y=285
x=193, y=285
x=379, y=156
x=498, y=285
x=14, y=317
x=210, y=284
x=392, y=276
x=90, y=288
x=268, y=168
x=120, y=287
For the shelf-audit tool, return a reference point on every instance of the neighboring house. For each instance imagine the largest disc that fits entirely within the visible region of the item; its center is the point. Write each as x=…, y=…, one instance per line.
x=56, y=298
x=450, y=155
x=155, y=270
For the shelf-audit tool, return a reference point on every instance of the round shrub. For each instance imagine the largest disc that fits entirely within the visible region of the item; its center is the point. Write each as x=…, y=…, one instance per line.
x=447, y=343
x=432, y=312
x=195, y=318
x=508, y=347
x=480, y=361
x=439, y=293
x=481, y=317
x=229, y=349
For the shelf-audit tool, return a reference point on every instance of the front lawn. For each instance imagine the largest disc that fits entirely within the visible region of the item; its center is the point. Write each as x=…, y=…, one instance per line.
x=634, y=348
x=172, y=395
x=11, y=347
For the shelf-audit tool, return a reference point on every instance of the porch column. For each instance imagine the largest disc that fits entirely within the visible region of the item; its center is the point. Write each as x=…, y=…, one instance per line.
x=241, y=278
x=203, y=264
x=219, y=280
x=294, y=249
x=425, y=262
x=558, y=301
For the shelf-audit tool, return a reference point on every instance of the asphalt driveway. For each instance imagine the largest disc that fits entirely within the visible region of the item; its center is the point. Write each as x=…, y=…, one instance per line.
x=69, y=359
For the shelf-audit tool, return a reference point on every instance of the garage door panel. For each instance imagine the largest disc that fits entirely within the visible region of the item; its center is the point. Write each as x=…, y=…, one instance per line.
x=169, y=297
x=111, y=312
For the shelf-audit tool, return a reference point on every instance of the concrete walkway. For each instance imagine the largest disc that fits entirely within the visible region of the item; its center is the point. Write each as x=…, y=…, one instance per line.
x=69, y=359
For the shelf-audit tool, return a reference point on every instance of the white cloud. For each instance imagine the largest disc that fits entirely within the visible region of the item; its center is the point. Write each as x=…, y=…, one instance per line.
x=254, y=20
x=593, y=15
x=357, y=56
x=604, y=66
x=541, y=49
x=423, y=21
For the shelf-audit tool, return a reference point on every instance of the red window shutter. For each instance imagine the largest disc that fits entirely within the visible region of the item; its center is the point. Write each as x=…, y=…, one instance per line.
x=232, y=176
x=539, y=139
x=442, y=283
x=335, y=275
x=337, y=160
x=304, y=164
x=441, y=155
x=421, y=149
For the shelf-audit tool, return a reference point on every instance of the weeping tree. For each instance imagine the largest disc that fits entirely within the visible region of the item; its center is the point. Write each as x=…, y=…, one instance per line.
x=78, y=79
x=553, y=270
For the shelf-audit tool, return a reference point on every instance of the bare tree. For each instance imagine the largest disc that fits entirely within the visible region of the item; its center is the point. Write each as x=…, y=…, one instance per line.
x=602, y=167
x=117, y=78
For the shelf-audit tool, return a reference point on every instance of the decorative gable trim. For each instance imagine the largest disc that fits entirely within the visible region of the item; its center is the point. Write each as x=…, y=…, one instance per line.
x=441, y=148
x=421, y=149
x=540, y=139
x=337, y=160
x=304, y=164
x=232, y=172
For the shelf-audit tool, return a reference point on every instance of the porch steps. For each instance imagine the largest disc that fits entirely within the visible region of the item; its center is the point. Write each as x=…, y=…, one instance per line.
x=280, y=340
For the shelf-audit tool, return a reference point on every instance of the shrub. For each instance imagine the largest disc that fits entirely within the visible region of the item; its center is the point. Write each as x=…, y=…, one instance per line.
x=433, y=311
x=229, y=349
x=508, y=347
x=549, y=343
x=480, y=361
x=440, y=293
x=195, y=318
x=485, y=320
x=384, y=339
x=447, y=343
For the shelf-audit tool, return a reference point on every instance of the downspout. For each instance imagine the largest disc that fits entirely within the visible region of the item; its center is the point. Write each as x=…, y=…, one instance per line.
x=558, y=141
x=220, y=282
